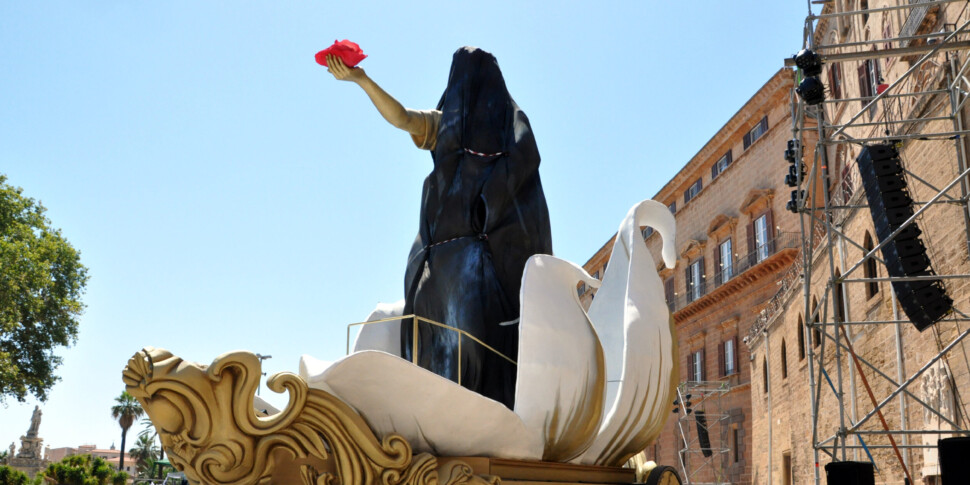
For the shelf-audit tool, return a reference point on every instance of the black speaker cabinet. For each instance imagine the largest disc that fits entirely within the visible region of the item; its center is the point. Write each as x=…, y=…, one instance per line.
x=925, y=302
x=850, y=473
x=954, y=462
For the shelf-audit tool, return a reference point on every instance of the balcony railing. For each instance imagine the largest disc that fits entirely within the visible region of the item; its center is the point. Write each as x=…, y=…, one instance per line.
x=737, y=266
x=791, y=281
x=913, y=22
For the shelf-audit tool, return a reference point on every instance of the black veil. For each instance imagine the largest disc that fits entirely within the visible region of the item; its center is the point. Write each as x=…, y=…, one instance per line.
x=483, y=214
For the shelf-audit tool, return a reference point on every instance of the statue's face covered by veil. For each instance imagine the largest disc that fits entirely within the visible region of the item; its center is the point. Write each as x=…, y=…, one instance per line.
x=477, y=100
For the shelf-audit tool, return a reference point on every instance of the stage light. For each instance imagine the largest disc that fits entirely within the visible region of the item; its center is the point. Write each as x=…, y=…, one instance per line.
x=809, y=62
x=811, y=90
x=791, y=179
x=791, y=151
x=794, y=203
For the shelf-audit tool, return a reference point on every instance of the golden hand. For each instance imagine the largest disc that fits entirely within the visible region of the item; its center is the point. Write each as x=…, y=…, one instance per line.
x=390, y=108
x=340, y=70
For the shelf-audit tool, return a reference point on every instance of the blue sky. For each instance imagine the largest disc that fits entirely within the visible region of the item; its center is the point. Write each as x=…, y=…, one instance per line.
x=226, y=193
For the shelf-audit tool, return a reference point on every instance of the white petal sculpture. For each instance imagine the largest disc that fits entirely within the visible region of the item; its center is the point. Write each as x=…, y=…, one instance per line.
x=561, y=373
x=637, y=334
x=592, y=389
x=434, y=414
x=384, y=336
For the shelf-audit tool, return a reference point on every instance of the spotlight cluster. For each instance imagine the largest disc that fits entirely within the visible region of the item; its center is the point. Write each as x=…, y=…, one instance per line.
x=796, y=174
x=686, y=405
x=811, y=89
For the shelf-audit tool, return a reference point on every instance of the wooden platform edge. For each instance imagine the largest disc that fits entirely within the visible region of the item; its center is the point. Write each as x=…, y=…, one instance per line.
x=522, y=472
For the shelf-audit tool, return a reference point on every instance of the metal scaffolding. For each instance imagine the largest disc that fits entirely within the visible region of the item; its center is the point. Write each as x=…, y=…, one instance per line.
x=699, y=409
x=906, y=111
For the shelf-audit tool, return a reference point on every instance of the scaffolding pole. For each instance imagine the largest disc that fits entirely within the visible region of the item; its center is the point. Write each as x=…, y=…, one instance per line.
x=698, y=461
x=829, y=210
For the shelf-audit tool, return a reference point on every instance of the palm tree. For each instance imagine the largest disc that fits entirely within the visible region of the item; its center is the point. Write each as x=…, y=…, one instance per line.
x=149, y=430
x=144, y=453
x=126, y=411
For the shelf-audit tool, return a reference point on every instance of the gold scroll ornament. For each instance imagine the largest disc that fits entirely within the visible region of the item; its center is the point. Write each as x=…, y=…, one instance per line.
x=211, y=432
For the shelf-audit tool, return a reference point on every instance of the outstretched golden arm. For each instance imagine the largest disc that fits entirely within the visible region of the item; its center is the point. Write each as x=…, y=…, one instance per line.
x=392, y=110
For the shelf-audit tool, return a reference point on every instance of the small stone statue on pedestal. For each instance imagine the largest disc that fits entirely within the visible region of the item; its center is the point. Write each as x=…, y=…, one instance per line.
x=29, y=459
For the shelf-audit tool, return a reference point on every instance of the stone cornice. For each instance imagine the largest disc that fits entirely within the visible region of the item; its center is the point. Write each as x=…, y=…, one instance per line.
x=721, y=226
x=693, y=248
x=774, y=263
x=727, y=325
x=756, y=201
x=696, y=340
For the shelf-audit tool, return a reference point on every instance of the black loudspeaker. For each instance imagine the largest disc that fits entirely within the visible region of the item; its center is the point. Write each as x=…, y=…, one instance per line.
x=702, y=436
x=925, y=302
x=954, y=466
x=850, y=473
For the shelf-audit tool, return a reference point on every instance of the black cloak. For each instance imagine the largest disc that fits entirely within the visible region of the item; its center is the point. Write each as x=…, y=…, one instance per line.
x=483, y=214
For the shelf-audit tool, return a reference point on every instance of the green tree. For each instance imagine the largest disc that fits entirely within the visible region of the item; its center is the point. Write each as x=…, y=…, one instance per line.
x=149, y=430
x=9, y=476
x=144, y=453
x=126, y=411
x=82, y=470
x=41, y=282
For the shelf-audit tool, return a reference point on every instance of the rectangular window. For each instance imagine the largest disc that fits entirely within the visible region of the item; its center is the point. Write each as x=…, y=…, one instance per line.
x=647, y=232
x=761, y=237
x=835, y=80
x=694, y=273
x=729, y=357
x=673, y=207
x=581, y=290
x=693, y=190
x=868, y=83
x=697, y=372
x=721, y=165
x=727, y=260
x=756, y=132
x=786, y=467
x=736, y=443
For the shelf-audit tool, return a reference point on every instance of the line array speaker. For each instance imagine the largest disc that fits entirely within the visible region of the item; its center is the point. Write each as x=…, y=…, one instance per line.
x=925, y=302
x=850, y=473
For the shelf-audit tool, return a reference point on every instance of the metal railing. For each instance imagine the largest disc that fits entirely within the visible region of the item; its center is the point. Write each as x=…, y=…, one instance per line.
x=737, y=266
x=913, y=21
x=415, y=319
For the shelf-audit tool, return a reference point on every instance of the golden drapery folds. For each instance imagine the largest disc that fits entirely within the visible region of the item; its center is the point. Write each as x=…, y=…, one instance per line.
x=206, y=420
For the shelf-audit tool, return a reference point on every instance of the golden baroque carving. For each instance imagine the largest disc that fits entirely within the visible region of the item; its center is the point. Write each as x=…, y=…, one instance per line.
x=210, y=430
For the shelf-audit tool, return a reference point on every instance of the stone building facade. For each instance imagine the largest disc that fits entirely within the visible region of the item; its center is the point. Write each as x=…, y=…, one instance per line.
x=735, y=240
x=783, y=341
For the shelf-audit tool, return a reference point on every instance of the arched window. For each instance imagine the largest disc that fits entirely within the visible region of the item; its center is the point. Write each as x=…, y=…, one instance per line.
x=784, y=360
x=839, y=299
x=816, y=334
x=764, y=372
x=872, y=287
x=801, y=338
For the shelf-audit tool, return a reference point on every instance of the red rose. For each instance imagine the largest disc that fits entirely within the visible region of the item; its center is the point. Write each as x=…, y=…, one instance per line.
x=346, y=50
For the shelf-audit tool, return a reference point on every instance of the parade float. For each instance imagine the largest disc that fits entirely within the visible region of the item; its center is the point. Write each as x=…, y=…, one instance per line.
x=491, y=370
